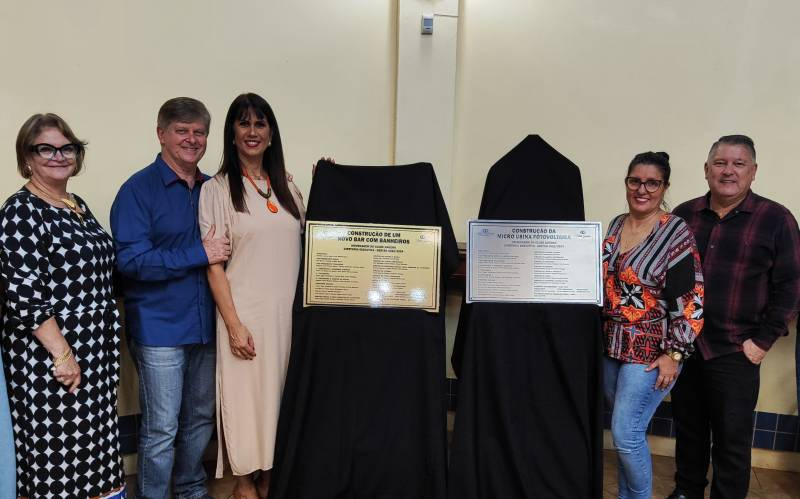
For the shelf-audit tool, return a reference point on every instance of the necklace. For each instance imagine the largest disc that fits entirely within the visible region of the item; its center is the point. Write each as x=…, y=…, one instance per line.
x=69, y=201
x=272, y=207
x=254, y=176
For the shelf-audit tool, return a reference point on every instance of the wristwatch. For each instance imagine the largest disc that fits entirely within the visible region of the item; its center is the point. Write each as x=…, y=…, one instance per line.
x=674, y=355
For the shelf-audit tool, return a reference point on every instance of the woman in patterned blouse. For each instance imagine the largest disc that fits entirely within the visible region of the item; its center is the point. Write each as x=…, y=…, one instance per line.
x=653, y=311
x=60, y=326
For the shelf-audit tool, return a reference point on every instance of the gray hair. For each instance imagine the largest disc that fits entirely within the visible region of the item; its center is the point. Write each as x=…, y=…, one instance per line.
x=734, y=140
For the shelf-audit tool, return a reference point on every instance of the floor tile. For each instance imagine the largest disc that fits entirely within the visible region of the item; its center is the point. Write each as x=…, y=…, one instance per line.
x=767, y=484
x=778, y=483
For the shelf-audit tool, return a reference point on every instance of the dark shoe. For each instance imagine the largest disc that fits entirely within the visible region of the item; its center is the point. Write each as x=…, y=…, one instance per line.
x=678, y=494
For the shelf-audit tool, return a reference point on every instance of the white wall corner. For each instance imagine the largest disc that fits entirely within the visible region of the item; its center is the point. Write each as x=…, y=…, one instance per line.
x=426, y=85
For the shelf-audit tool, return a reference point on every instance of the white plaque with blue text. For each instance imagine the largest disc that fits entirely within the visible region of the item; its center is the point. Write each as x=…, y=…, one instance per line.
x=515, y=261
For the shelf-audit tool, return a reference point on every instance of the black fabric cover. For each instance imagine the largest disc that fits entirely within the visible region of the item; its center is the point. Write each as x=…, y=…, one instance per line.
x=363, y=413
x=529, y=417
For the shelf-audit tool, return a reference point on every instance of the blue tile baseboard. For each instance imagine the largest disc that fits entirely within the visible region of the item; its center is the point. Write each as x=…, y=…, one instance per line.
x=770, y=431
x=766, y=421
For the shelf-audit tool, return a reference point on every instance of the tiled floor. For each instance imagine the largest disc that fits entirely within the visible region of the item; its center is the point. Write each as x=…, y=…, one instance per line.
x=763, y=483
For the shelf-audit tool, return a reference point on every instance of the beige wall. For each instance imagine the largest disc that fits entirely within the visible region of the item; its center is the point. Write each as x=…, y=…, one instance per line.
x=426, y=88
x=600, y=81
x=327, y=68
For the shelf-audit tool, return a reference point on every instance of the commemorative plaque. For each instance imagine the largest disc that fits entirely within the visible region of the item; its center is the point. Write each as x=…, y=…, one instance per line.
x=516, y=261
x=370, y=265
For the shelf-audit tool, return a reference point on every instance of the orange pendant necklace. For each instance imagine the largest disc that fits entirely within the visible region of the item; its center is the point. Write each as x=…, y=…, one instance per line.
x=272, y=207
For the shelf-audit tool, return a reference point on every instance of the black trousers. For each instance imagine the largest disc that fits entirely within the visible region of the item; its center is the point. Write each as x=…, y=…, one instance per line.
x=715, y=397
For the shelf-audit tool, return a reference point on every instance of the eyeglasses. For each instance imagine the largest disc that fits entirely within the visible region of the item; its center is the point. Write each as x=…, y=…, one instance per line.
x=650, y=185
x=48, y=151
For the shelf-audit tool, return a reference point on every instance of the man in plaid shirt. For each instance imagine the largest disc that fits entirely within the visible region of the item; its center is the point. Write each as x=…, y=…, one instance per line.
x=750, y=250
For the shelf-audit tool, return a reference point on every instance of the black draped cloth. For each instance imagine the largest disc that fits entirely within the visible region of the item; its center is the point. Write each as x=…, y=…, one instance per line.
x=363, y=413
x=529, y=417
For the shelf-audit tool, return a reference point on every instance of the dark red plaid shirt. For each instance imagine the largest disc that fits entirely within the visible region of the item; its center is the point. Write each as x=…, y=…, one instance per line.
x=751, y=265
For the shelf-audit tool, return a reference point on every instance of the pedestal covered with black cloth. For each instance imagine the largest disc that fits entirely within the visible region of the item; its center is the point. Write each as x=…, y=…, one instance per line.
x=363, y=413
x=529, y=416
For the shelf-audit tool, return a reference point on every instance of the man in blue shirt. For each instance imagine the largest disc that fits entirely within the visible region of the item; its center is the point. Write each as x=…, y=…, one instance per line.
x=168, y=305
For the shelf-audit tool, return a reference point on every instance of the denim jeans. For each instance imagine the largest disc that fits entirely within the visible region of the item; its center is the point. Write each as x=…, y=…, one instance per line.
x=177, y=398
x=8, y=467
x=630, y=393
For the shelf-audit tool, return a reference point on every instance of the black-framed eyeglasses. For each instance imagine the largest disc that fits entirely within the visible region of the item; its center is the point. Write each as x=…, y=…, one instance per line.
x=650, y=185
x=49, y=151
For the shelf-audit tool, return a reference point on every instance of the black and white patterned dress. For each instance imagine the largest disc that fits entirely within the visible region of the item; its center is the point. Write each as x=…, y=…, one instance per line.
x=52, y=265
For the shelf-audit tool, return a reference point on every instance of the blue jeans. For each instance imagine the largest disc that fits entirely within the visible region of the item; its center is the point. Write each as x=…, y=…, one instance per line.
x=8, y=467
x=630, y=393
x=177, y=398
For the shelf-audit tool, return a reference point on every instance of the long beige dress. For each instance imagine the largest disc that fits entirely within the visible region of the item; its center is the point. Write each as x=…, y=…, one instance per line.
x=262, y=272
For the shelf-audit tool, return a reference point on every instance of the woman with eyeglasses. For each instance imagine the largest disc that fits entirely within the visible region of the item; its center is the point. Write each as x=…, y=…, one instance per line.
x=652, y=312
x=60, y=326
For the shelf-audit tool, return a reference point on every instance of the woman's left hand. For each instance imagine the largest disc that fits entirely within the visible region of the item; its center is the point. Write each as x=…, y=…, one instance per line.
x=68, y=373
x=667, y=371
x=324, y=158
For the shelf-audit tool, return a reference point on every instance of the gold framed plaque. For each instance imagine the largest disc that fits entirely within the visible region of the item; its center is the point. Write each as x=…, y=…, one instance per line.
x=372, y=265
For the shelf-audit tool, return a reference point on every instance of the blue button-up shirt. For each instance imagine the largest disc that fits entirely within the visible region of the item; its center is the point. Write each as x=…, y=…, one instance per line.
x=161, y=258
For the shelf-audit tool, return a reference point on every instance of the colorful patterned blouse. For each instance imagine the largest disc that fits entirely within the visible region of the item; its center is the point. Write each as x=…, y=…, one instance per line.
x=653, y=292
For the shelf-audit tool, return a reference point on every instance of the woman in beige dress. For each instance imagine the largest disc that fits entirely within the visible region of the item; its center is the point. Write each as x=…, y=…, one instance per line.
x=253, y=201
